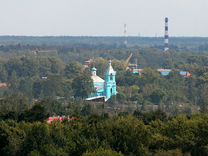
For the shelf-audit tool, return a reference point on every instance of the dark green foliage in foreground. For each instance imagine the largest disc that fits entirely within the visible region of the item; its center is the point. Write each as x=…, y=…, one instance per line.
x=96, y=136
x=36, y=113
x=102, y=152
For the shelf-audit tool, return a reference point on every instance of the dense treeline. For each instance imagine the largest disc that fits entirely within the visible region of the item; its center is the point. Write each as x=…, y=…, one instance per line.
x=100, y=135
x=42, y=76
x=108, y=40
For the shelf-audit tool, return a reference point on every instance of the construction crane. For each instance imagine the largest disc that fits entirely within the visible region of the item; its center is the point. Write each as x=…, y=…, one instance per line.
x=129, y=65
x=128, y=59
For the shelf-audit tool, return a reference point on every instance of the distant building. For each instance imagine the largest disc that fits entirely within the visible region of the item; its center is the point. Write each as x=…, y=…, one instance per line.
x=88, y=63
x=44, y=77
x=185, y=74
x=60, y=119
x=164, y=72
x=104, y=88
x=3, y=86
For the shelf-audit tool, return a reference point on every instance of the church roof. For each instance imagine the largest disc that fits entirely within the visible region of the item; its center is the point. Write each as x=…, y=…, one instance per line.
x=110, y=69
x=94, y=69
x=97, y=79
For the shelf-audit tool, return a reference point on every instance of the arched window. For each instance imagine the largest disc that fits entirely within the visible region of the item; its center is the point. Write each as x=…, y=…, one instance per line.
x=111, y=76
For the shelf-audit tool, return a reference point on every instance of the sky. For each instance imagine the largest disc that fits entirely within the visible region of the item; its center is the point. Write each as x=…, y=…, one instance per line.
x=103, y=17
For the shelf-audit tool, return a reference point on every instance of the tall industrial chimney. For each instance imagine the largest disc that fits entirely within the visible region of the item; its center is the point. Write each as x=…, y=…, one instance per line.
x=166, y=42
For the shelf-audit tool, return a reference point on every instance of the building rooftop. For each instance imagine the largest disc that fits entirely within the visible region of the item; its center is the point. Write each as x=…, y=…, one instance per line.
x=97, y=79
x=110, y=69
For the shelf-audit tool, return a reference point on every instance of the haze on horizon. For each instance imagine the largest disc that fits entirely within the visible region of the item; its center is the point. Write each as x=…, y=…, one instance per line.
x=103, y=17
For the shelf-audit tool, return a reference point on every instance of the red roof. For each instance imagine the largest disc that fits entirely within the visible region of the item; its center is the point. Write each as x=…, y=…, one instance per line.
x=60, y=119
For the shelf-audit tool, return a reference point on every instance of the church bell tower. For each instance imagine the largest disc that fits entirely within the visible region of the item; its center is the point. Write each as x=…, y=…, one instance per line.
x=110, y=82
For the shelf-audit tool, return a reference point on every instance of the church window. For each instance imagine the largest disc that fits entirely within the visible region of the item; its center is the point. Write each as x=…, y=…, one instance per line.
x=111, y=77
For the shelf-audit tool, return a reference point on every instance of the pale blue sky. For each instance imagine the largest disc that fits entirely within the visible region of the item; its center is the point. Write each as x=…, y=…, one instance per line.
x=103, y=17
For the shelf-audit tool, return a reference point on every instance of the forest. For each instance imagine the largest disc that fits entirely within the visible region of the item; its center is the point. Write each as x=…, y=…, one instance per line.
x=151, y=114
x=107, y=136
